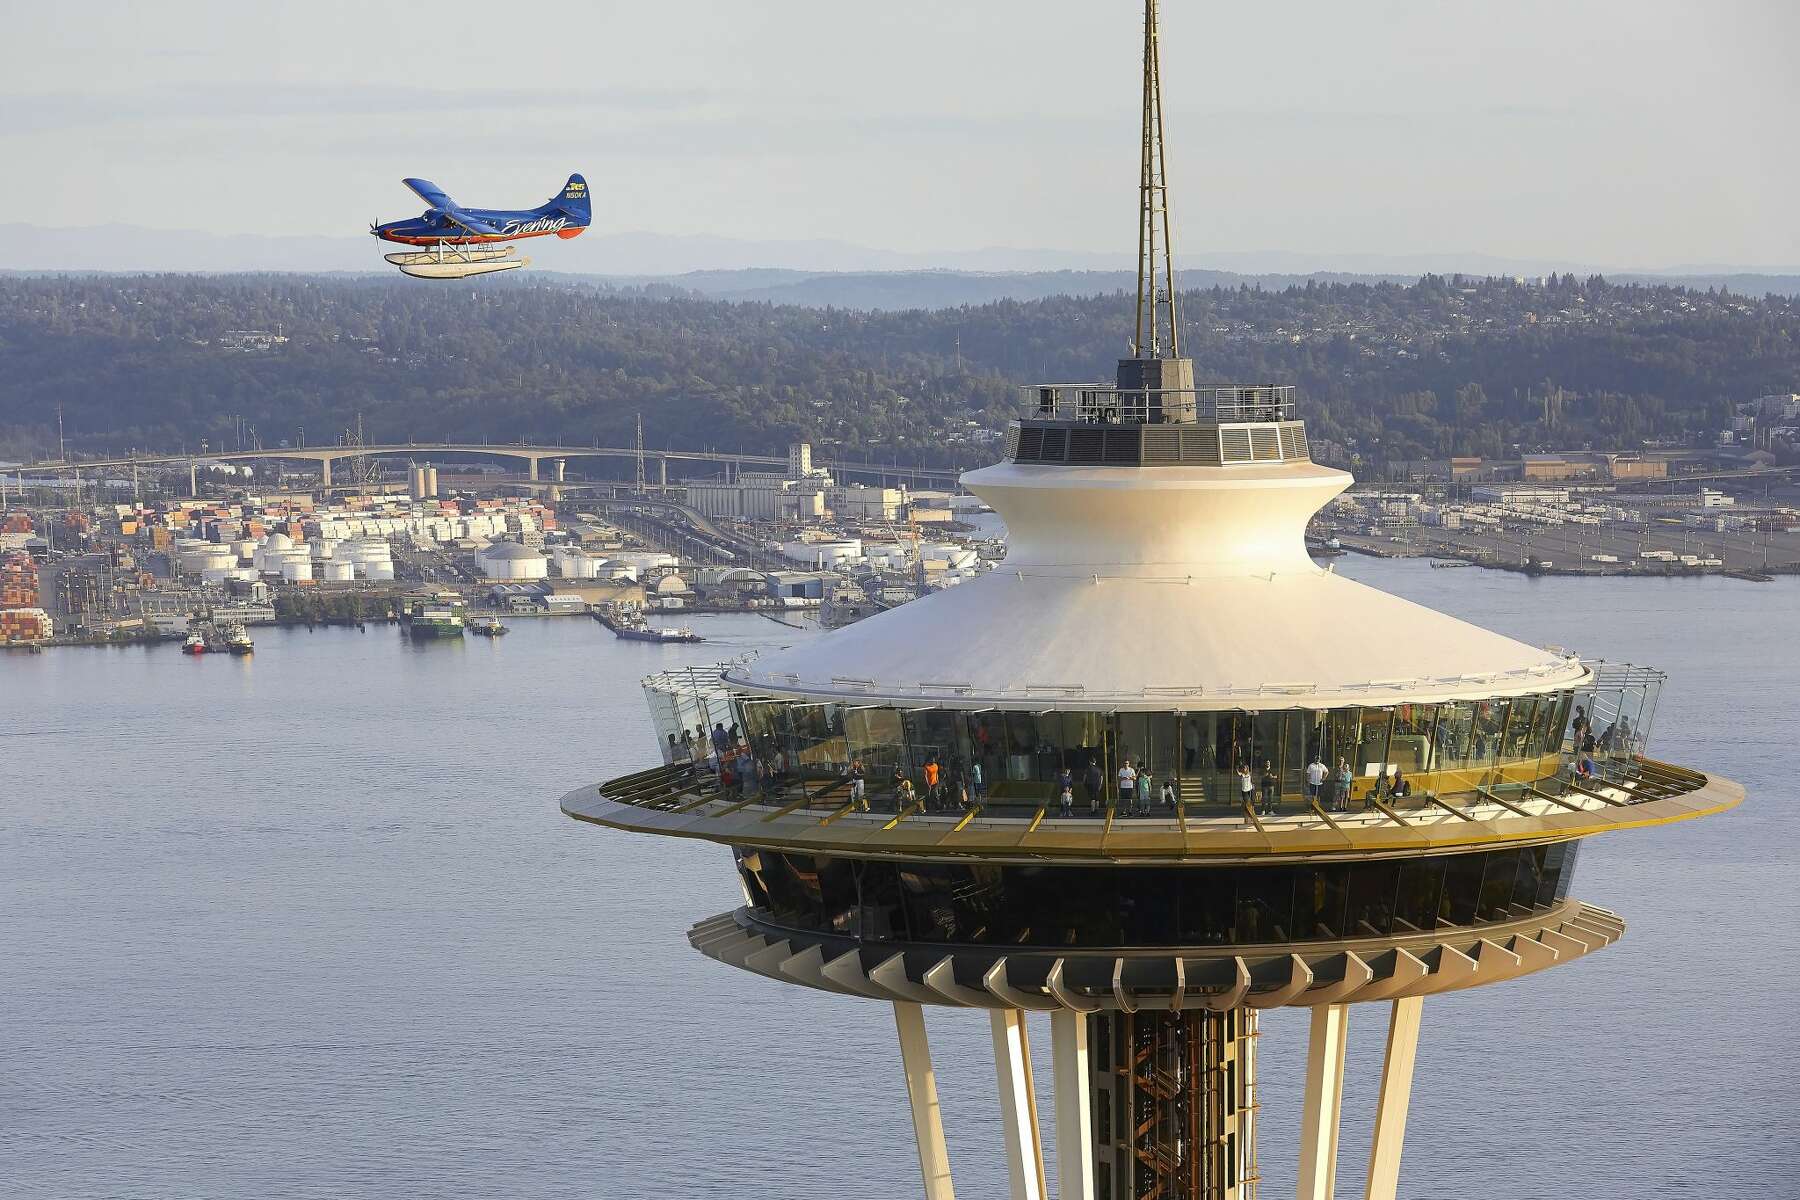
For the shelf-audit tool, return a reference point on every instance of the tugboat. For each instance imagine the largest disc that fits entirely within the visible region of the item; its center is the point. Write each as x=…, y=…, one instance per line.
x=195, y=644
x=629, y=624
x=489, y=627
x=237, y=639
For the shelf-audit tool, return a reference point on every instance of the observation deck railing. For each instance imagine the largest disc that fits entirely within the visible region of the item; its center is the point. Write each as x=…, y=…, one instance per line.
x=1102, y=404
x=1616, y=780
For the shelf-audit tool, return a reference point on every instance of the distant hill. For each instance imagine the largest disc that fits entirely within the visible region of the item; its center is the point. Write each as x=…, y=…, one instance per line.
x=810, y=272
x=1386, y=372
x=891, y=291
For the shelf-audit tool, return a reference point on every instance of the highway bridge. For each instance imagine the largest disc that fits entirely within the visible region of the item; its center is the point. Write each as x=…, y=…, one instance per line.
x=656, y=461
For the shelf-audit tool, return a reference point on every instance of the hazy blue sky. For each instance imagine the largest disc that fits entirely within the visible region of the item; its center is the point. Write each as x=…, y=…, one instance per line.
x=1643, y=134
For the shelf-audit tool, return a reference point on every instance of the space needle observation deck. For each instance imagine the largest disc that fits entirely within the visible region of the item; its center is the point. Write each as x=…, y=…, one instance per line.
x=1155, y=773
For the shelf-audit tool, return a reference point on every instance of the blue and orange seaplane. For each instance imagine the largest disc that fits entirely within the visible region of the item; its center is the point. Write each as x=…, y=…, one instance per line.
x=457, y=242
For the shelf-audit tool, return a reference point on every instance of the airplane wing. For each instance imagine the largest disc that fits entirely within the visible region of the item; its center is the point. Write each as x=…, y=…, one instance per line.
x=430, y=193
x=439, y=199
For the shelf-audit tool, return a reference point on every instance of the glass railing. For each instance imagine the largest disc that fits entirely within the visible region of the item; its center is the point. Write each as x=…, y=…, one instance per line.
x=1100, y=404
x=1559, y=782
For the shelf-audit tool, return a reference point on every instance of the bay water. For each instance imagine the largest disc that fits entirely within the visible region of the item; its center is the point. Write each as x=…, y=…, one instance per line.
x=309, y=924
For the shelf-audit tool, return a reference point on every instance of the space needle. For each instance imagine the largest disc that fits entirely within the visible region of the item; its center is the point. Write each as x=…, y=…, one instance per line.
x=1156, y=773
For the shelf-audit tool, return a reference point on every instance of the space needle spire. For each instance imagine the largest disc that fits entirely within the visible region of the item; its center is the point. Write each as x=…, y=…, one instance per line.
x=1156, y=378
x=1156, y=250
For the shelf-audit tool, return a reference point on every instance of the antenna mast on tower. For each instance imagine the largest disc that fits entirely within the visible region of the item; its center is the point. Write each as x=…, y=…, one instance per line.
x=1156, y=264
x=1156, y=381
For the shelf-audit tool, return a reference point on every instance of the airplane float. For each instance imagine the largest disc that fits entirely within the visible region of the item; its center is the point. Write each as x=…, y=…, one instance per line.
x=458, y=242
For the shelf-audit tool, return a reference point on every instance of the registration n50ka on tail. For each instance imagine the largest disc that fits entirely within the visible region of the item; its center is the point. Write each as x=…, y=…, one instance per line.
x=456, y=242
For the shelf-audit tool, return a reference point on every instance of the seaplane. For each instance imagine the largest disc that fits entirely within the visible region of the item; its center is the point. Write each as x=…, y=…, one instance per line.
x=457, y=242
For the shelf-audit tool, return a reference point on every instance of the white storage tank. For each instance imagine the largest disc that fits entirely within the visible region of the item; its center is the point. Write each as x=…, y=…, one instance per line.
x=379, y=571
x=646, y=560
x=297, y=570
x=244, y=548
x=337, y=572
x=822, y=554
x=510, y=560
x=215, y=576
x=576, y=564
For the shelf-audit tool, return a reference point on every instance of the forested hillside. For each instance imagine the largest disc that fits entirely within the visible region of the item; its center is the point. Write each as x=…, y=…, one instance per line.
x=1385, y=371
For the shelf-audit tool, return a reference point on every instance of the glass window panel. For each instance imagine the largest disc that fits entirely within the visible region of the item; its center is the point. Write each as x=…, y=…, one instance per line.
x=1462, y=889
x=1455, y=733
x=1410, y=748
x=1519, y=725
x=1372, y=752
x=1207, y=913
x=1528, y=880
x=1490, y=721
x=1499, y=874
x=1371, y=904
x=1320, y=897
x=1566, y=876
x=1264, y=905
x=1420, y=892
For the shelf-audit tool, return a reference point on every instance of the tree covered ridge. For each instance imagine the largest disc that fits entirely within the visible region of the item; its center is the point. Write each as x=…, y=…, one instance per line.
x=1384, y=371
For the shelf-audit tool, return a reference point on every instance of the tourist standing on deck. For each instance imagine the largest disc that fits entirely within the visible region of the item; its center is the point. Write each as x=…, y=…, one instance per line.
x=859, y=789
x=1095, y=783
x=1271, y=789
x=1246, y=785
x=1315, y=779
x=1127, y=785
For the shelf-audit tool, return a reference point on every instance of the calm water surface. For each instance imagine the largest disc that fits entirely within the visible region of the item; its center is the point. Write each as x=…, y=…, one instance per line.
x=310, y=925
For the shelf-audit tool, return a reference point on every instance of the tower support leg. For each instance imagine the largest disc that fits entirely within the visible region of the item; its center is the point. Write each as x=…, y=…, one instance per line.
x=1018, y=1104
x=1074, y=1105
x=921, y=1091
x=325, y=472
x=532, y=469
x=1396, y=1094
x=1324, y=1102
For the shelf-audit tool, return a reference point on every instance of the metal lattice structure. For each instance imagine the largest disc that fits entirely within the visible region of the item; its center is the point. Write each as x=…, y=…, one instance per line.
x=1158, y=327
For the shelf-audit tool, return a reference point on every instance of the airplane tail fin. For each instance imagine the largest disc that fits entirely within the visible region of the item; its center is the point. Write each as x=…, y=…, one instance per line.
x=573, y=201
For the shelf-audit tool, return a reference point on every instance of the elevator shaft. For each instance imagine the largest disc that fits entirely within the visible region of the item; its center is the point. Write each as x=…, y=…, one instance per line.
x=1174, y=1110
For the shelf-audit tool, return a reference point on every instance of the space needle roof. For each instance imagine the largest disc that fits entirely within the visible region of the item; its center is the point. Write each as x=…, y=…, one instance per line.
x=1183, y=586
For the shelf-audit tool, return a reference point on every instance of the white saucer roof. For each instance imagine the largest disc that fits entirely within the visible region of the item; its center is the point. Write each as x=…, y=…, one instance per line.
x=1158, y=589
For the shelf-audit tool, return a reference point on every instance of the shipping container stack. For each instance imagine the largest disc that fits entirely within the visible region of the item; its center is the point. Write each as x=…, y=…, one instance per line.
x=21, y=620
x=18, y=581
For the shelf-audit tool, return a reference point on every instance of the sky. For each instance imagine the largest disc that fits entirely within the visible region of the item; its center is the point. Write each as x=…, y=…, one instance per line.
x=1643, y=135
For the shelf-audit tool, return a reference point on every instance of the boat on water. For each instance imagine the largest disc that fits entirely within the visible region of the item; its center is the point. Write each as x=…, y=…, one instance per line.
x=845, y=606
x=629, y=624
x=487, y=627
x=195, y=643
x=439, y=616
x=1446, y=563
x=237, y=639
